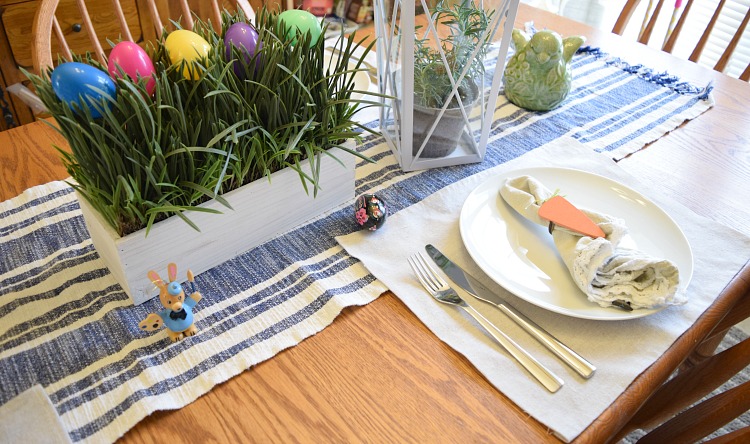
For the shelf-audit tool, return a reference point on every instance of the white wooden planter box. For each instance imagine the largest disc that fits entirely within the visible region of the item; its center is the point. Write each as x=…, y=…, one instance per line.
x=261, y=211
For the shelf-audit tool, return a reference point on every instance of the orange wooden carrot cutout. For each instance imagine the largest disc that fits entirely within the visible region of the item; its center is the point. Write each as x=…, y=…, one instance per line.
x=558, y=210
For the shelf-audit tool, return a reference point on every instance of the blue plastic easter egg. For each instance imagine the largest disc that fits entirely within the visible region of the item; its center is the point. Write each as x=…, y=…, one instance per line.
x=298, y=21
x=186, y=46
x=73, y=81
x=130, y=59
x=245, y=38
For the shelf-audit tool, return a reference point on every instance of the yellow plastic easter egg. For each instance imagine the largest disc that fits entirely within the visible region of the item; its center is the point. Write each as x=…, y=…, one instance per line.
x=183, y=45
x=298, y=21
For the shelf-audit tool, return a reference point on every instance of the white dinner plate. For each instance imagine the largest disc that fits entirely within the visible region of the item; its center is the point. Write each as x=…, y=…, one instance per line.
x=521, y=256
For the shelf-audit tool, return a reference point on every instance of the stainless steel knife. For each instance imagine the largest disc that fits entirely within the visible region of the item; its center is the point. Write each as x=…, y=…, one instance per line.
x=472, y=286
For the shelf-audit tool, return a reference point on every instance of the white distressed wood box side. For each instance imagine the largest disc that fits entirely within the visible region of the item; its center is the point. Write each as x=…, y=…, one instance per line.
x=261, y=211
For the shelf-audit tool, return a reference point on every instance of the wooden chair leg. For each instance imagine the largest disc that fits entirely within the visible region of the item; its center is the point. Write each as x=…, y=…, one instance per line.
x=702, y=419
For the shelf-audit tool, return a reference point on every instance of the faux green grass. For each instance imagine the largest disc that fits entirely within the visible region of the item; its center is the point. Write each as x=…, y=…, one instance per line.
x=465, y=23
x=150, y=158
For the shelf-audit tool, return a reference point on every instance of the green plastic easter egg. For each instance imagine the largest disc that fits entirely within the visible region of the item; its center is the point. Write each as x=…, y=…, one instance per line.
x=297, y=21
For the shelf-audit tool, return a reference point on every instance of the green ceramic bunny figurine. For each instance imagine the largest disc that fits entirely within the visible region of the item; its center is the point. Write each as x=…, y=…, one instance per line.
x=538, y=76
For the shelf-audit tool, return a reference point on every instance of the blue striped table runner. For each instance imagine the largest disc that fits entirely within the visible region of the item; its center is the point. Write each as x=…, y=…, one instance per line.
x=65, y=323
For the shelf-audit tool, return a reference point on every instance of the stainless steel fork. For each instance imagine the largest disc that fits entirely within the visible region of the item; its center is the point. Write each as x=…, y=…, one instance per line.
x=440, y=290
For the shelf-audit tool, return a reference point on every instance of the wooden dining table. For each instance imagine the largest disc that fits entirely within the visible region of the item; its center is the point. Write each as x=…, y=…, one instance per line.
x=377, y=374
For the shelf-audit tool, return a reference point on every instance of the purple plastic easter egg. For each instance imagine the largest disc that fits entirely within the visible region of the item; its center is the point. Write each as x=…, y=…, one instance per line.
x=74, y=81
x=132, y=60
x=242, y=36
x=245, y=38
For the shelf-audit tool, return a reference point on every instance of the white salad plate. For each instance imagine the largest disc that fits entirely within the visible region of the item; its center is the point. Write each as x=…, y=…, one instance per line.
x=521, y=256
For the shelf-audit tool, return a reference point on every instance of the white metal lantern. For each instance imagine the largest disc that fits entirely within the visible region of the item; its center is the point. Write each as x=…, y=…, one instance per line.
x=440, y=62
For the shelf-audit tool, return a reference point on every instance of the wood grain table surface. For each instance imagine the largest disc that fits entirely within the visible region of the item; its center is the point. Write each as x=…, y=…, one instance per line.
x=377, y=374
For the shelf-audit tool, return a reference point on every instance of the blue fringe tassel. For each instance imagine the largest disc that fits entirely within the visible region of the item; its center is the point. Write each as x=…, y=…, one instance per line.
x=662, y=79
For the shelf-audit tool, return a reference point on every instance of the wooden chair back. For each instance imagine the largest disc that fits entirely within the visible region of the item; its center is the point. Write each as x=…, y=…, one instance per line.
x=47, y=28
x=688, y=407
x=669, y=43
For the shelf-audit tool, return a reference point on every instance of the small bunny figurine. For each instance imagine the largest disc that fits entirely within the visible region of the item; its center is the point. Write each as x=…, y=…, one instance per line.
x=538, y=77
x=178, y=313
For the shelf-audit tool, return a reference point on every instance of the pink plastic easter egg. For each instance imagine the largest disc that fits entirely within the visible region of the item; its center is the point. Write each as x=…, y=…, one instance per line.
x=134, y=62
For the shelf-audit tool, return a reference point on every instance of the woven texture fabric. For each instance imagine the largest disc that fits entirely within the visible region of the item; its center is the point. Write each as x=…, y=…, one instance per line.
x=65, y=324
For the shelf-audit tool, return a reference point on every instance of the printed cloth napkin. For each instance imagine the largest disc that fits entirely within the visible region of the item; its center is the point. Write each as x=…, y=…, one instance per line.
x=605, y=270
